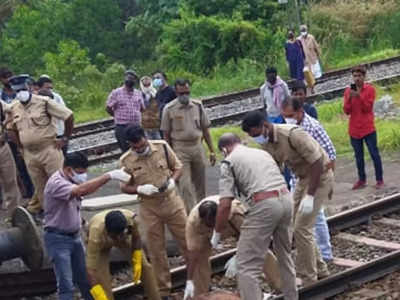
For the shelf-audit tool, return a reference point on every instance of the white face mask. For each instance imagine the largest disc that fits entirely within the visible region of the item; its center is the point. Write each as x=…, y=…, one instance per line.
x=261, y=139
x=291, y=121
x=23, y=96
x=145, y=152
x=79, y=178
x=303, y=33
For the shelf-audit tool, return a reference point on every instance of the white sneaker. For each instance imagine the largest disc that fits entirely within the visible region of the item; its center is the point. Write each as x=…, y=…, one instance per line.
x=268, y=296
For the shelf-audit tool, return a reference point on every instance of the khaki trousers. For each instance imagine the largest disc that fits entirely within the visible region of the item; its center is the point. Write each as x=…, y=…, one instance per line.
x=192, y=183
x=41, y=165
x=8, y=180
x=154, y=215
x=309, y=262
x=268, y=218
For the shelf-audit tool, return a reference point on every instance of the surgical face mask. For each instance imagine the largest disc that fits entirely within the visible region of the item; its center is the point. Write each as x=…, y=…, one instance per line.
x=158, y=82
x=261, y=139
x=183, y=99
x=23, y=96
x=145, y=152
x=303, y=33
x=79, y=177
x=291, y=121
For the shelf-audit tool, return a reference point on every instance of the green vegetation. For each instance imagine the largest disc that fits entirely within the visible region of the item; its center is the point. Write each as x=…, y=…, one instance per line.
x=220, y=45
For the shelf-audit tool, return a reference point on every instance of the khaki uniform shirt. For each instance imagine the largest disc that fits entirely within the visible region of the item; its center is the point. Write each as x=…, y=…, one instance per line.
x=198, y=234
x=153, y=168
x=5, y=109
x=184, y=122
x=254, y=171
x=36, y=121
x=99, y=241
x=311, y=48
x=296, y=149
x=151, y=116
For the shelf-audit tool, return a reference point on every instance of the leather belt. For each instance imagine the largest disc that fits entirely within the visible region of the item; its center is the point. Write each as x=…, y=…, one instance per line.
x=58, y=231
x=264, y=195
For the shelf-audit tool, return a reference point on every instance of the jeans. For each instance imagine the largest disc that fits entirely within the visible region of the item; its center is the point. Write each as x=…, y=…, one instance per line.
x=322, y=236
x=153, y=134
x=68, y=257
x=358, y=147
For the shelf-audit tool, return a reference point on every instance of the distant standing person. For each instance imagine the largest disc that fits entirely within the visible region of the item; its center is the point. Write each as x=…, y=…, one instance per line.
x=165, y=93
x=272, y=93
x=359, y=105
x=151, y=114
x=294, y=56
x=312, y=51
x=299, y=91
x=125, y=104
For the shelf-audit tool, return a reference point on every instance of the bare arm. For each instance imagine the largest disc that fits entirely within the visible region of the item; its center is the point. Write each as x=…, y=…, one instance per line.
x=167, y=137
x=207, y=137
x=192, y=263
x=90, y=186
x=110, y=111
x=69, y=126
x=128, y=188
x=224, y=209
x=315, y=176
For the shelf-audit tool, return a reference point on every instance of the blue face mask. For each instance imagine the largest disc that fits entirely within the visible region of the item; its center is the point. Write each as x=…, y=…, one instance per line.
x=157, y=83
x=261, y=139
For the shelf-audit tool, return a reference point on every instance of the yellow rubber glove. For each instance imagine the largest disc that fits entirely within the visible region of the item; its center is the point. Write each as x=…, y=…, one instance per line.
x=137, y=266
x=98, y=292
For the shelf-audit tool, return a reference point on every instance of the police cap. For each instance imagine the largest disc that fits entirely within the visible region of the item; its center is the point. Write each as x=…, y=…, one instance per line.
x=19, y=82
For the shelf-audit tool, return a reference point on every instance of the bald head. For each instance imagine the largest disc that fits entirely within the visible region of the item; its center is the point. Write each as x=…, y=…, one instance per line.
x=228, y=140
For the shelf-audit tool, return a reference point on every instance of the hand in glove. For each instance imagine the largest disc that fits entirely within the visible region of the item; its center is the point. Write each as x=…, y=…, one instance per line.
x=167, y=186
x=216, y=237
x=147, y=189
x=98, y=292
x=189, y=290
x=136, y=266
x=120, y=175
x=306, y=205
x=231, y=267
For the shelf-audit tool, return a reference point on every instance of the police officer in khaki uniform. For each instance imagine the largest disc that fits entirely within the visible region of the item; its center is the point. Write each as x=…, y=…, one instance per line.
x=199, y=229
x=254, y=174
x=184, y=124
x=8, y=172
x=33, y=120
x=117, y=228
x=292, y=146
x=155, y=168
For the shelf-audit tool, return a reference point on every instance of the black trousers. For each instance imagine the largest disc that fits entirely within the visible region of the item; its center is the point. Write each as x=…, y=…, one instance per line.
x=120, y=136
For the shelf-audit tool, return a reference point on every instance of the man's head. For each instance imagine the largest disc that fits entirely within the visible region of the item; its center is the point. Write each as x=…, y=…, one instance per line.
x=303, y=30
x=254, y=124
x=271, y=74
x=299, y=90
x=46, y=92
x=358, y=74
x=145, y=81
x=290, y=35
x=116, y=224
x=5, y=75
x=227, y=142
x=137, y=140
x=292, y=110
x=75, y=167
x=20, y=85
x=45, y=82
x=182, y=90
x=131, y=79
x=159, y=79
x=208, y=213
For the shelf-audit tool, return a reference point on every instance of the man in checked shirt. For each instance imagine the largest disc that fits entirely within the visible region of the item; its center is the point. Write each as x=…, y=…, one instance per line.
x=293, y=112
x=125, y=104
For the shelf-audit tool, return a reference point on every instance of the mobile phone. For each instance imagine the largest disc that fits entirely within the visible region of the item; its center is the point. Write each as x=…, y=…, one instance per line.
x=353, y=87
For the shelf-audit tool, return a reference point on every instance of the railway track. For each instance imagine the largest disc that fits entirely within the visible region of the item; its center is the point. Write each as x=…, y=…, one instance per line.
x=227, y=109
x=343, y=227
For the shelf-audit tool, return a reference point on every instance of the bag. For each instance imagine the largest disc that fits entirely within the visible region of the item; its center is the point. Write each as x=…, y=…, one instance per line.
x=309, y=77
x=316, y=70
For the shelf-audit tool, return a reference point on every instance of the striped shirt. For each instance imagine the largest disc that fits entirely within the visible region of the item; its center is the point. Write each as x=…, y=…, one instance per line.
x=126, y=105
x=315, y=129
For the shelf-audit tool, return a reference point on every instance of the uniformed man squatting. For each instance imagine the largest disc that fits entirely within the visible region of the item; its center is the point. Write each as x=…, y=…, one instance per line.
x=155, y=168
x=184, y=124
x=294, y=147
x=255, y=174
x=8, y=169
x=34, y=121
x=117, y=228
x=199, y=229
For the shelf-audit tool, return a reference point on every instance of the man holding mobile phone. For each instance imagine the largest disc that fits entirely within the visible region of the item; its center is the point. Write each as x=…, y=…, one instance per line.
x=359, y=105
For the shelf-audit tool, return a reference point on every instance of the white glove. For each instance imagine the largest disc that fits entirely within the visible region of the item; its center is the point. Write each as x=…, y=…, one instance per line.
x=216, y=237
x=189, y=290
x=231, y=267
x=147, y=189
x=306, y=205
x=120, y=175
x=171, y=184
